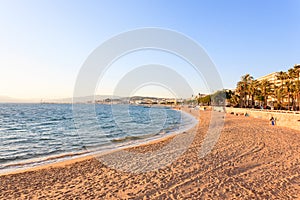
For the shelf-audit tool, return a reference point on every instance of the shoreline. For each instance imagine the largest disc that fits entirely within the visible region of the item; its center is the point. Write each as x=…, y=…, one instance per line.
x=82, y=156
x=251, y=160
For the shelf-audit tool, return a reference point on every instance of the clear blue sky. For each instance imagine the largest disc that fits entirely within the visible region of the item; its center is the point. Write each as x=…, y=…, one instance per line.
x=44, y=43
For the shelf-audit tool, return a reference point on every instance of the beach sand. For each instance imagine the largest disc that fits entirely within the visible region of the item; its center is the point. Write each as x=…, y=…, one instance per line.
x=251, y=160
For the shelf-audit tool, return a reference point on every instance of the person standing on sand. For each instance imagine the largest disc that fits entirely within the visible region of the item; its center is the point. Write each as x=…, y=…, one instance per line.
x=272, y=121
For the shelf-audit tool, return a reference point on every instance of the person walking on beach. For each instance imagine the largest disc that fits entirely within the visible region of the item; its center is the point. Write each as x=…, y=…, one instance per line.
x=272, y=121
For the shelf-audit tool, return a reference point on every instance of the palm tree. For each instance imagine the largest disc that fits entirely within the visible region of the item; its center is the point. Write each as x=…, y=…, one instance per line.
x=293, y=95
x=234, y=100
x=264, y=87
x=248, y=89
x=259, y=97
x=252, y=90
x=277, y=94
x=288, y=86
x=297, y=93
x=297, y=84
x=293, y=76
x=242, y=88
x=282, y=76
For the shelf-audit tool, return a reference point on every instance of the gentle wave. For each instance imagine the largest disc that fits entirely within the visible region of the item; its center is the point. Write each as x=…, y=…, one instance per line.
x=33, y=134
x=129, y=138
x=41, y=160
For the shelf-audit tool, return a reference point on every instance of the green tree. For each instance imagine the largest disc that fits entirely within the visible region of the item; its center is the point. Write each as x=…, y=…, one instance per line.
x=265, y=88
x=219, y=98
x=288, y=87
x=297, y=85
x=205, y=100
x=242, y=89
x=252, y=91
x=282, y=76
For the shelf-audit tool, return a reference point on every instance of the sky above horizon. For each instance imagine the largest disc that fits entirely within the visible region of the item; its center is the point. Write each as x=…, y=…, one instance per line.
x=45, y=43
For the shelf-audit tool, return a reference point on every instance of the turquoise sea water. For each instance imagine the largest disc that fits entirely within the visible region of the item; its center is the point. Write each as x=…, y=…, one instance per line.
x=34, y=134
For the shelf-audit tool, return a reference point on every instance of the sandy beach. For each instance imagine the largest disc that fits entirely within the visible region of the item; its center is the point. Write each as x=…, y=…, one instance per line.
x=251, y=160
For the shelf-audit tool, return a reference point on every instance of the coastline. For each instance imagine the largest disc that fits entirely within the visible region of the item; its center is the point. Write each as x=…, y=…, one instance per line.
x=251, y=160
x=82, y=156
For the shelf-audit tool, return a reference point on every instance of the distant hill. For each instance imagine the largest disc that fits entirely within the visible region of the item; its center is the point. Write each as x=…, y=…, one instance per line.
x=80, y=99
x=6, y=99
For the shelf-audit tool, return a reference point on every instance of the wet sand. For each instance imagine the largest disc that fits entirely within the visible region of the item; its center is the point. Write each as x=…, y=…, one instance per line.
x=251, y=160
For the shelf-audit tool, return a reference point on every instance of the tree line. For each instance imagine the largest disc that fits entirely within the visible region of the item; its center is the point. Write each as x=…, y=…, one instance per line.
x=283, y=92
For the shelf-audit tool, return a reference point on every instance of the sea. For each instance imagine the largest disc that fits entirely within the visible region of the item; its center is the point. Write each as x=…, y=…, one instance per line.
x=37, y=134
